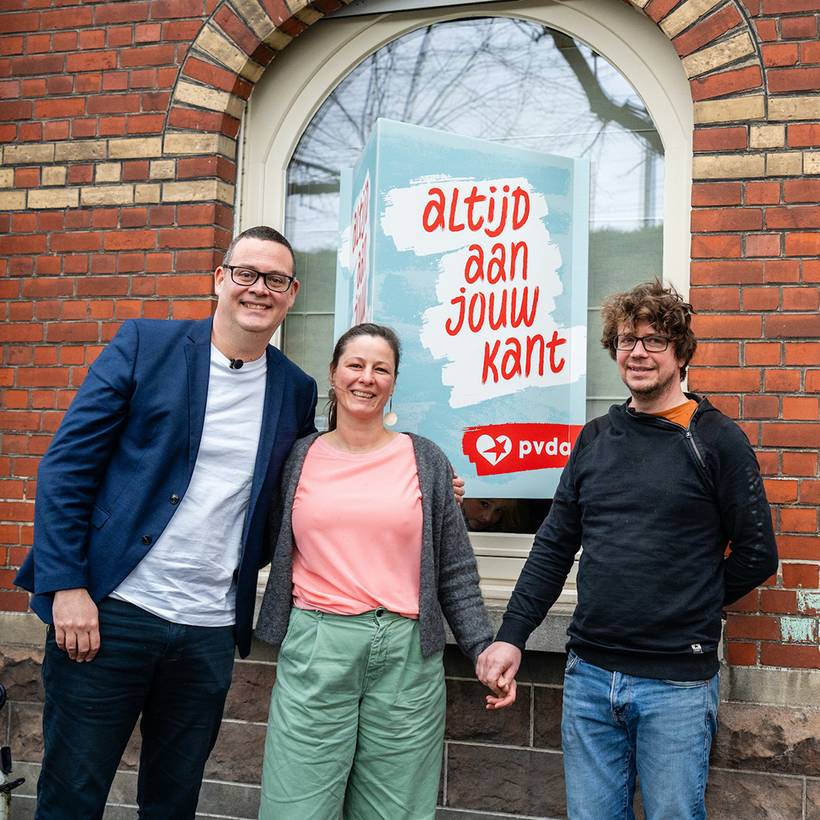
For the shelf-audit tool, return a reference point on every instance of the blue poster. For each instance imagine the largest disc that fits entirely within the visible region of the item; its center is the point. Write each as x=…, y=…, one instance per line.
x=476, y=254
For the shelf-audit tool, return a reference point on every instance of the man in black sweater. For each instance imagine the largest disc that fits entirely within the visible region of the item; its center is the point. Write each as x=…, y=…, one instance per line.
x=655, y=491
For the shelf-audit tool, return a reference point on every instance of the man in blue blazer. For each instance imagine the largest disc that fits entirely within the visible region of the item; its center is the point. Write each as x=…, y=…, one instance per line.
x=152, y=503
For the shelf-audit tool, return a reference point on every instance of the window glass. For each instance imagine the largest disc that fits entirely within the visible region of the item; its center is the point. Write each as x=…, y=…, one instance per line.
x=501, y=79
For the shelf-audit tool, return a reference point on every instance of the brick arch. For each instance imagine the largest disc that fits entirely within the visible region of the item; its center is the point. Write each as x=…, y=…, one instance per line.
x=715, y=39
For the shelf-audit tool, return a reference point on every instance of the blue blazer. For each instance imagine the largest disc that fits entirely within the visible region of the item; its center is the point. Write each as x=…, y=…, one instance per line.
x=123, y=457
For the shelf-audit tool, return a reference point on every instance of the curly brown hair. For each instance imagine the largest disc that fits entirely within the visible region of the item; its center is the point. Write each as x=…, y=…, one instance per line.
x=662, y=307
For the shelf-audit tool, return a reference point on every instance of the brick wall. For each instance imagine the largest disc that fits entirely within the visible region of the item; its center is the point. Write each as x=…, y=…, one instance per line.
x=117, y=179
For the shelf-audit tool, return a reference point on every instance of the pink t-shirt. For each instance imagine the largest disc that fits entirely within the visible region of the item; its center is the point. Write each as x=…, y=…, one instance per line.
x=357, y=524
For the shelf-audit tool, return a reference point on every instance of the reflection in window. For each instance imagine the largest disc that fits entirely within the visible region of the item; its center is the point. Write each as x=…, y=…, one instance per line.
x=501, y=79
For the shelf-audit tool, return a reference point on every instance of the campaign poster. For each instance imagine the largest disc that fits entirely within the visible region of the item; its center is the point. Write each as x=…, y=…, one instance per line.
x=476, y=254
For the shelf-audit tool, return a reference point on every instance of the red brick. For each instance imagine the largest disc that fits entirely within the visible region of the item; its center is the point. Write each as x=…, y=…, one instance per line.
x=30, y=66
x=164, y=9
x=811, y=270
x=179, y=285
x=162, y=54
x=779, y=54
x=756, y=627
x=707, y=30
x=800, y=464
x=15, y=110
x=725, y=380
x=198, y=120
x=793, y=79
x=766, y=244
x=113, y=104
x=103, y=264
x=803, y=576
x=10, y=23
x=112, y=126
x=161, y=215
x=13, y=601
x=119, y=36
x=798, y=547
x=129, y=240
x=155, y=101
x=75, y=242
x=30, y=132
x=803, y=244
x=727, y=327
x=727, y=219
x=135, y=170
x=105, y=218
x=65, y=107
x=778, y=601
x=197, y=261
x=92, y=61
x=761, y=193
x=795, y=216
x=795, y=324
x=804, y=135
x=798, y=28
x=92, y=39
x=715, y=299
x=813, y=381
x=810, y=52
x=795, y=408
x=183, y=30
x=145, y=124
x=187, y=238
x=761, y=407
x=716, y=193
x=761, y=353
x=191, y=310
x=810, y=494
x=728, y=405
x=805, y=298
x=115, y=81
x=791, y=435
x=801, y=190
x=42, y=377
x=103, y=286
x=761, y=298
x=715, y=247
x=133, y=217
x=726, y=82
x=781, y=381
x=35, y=88
x=76, y=17
x=741, y=654
x=159, y=263
x=217, y=76
x=147, y=32
x=57, y=130
x=781, y=270
x=26, y=177
x=83, y=128
x=238, y=31
x=108, y=13
x=806, y=657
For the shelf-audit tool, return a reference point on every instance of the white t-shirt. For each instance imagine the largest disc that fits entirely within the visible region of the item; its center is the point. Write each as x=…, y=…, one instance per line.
x=187, y=576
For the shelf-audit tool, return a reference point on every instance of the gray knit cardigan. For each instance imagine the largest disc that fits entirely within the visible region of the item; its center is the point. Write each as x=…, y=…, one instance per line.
x=449, y=577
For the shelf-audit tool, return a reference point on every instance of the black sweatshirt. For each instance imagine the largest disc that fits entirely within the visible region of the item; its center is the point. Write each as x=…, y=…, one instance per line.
x=655, y=506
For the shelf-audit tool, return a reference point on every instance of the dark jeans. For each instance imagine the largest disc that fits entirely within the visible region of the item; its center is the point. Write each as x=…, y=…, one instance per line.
x=175, y=676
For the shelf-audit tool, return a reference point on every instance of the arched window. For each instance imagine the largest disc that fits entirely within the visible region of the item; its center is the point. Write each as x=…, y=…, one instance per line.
x=592, y=79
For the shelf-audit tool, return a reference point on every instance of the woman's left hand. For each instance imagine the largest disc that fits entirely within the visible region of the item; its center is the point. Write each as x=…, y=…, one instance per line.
x=506, y=698
x=458, y=488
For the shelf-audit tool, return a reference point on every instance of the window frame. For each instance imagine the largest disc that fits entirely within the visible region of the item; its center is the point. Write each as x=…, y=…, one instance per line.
x=302, y=76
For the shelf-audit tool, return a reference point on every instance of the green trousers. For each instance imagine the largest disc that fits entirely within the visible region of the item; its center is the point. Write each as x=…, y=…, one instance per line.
x=356, y=723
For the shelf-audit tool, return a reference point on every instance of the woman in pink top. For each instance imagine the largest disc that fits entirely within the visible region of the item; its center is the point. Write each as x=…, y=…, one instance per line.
x=372, y=555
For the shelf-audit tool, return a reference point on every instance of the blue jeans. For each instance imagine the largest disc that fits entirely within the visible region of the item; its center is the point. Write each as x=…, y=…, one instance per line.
x=175, y=676
x=617, y=726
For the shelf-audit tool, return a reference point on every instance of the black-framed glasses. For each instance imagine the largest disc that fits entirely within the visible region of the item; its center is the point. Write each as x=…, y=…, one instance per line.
x=277, y=282
x=652, y=343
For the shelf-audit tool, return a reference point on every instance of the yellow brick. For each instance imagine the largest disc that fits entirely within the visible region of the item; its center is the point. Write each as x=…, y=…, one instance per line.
x=639, y=3
x=811, y=162
x=162, y=169
x=108, y=172
x=217, y=45
x=784, y=164
x=278, y=39
x=225, y=192
x=12, y=200
x=728, y=166
x=200, y=144
x=794, y=108
x=254, y=15
x=81, y=149
x=731, y=109
x=54, y=175
x=108, y=195
x=146, y=194
x=199, y=190
x=767, y=136
x=718, y=55
x=6, y=177
x=309, y=15
x=685, y=15
x=28, y=154
x=135, y=148
x=210, y=98
x=53, y=198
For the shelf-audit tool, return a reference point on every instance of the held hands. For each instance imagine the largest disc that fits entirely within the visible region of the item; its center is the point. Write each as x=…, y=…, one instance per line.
x=496, y=668
x=458, y=488
x=76, y=624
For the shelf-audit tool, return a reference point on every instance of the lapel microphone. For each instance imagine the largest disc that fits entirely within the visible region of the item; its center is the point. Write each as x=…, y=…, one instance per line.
x=236, y=364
